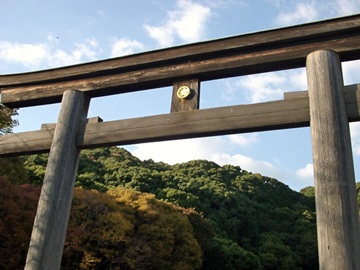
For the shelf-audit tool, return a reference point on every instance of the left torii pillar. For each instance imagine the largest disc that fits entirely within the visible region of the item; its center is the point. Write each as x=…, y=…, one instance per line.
x=51, y=221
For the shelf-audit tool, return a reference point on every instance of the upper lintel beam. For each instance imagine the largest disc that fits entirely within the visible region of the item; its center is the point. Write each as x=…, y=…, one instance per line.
x=270, y=50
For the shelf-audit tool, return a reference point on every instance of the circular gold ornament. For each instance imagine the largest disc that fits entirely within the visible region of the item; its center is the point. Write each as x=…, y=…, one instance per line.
x=183, y=92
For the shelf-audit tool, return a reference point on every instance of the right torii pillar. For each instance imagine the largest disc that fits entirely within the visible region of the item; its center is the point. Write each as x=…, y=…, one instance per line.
x=338, y=229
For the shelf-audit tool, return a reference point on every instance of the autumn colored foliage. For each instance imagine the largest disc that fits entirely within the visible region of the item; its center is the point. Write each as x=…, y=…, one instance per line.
x=17, y=213
x=121, y=229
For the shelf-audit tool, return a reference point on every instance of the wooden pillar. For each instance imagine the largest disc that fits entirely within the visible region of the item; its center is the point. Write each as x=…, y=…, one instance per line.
x=336, y=200
x=48, y=235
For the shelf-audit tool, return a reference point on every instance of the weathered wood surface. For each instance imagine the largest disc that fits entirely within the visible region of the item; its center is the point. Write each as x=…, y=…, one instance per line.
x=48, y=235
x=337, y=210
x=190, y=103
x=305, y=94
x=289, y=113
x=240, y=55
x=91, y=120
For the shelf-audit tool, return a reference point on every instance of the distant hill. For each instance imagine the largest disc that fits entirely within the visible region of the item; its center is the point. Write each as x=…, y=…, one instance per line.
x=249, y=221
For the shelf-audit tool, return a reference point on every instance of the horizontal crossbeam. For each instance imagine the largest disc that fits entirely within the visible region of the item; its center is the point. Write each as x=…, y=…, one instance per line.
x=265, y=51
x=291, y=112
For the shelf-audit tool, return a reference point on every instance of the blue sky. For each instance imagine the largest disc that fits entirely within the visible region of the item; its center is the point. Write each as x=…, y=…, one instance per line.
x=37, y=34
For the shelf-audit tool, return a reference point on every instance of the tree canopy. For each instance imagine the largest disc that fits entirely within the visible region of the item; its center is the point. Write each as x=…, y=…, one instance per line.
x=120, y=229
x=247, y=221
x=7, y=123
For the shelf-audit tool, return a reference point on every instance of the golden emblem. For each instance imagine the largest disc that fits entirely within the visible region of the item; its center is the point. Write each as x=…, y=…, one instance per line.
x=183, y=92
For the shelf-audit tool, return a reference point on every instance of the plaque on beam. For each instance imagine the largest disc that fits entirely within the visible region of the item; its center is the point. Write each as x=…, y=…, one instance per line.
x=186, y=95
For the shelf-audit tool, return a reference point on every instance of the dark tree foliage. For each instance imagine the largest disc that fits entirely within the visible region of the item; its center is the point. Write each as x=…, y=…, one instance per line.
x=11, y=167
x=17, y=213
x=255, y=218
x=227, y=255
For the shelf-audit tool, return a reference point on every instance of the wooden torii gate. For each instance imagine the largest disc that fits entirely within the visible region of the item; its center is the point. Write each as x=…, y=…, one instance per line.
x=327, y=107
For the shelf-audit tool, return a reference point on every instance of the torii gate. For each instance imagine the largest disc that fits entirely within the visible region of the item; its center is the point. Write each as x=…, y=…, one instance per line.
x=327, y=107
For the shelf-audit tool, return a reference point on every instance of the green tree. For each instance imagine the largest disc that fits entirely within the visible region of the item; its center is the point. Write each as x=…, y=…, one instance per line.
x=11, y=167
x=227, y=255
x=275, y=255
x=240, y=206
x=7, y=123
x=36, y=167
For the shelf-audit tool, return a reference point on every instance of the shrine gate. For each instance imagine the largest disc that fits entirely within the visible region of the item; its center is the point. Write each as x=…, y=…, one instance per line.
x=327, y=107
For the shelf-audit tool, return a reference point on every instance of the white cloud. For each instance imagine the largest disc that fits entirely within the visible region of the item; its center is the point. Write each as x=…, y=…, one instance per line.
x=247, y=163
x=303, y=12
x=189, y=21
x=297, y=80
x=186, y=23
x=230, y=90
x=162, y=34
x=46, y=54
x=125, y=46
x=26, y=54
x=307, y=172
x=355, y=137
x=226, y=3
x=60, y=58
x=265, y=87
x=295, y=12
x=303, y=177
x=92, y=42
x=86, y=51
x=351, y=72
x=180, y=150
x=83, y=51
x=246, y=140
x=347, y=7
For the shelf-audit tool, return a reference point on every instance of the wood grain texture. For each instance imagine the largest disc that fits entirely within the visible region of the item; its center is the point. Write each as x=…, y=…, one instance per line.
x=201, y=50
x=335, y=193
x=290, y=113
x=240, y=55
x=48, y=235
x=95, y=119
x=349, y=89
x=190, y=103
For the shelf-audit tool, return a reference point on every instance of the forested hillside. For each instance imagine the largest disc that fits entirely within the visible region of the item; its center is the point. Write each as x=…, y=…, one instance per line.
x=200, y=216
